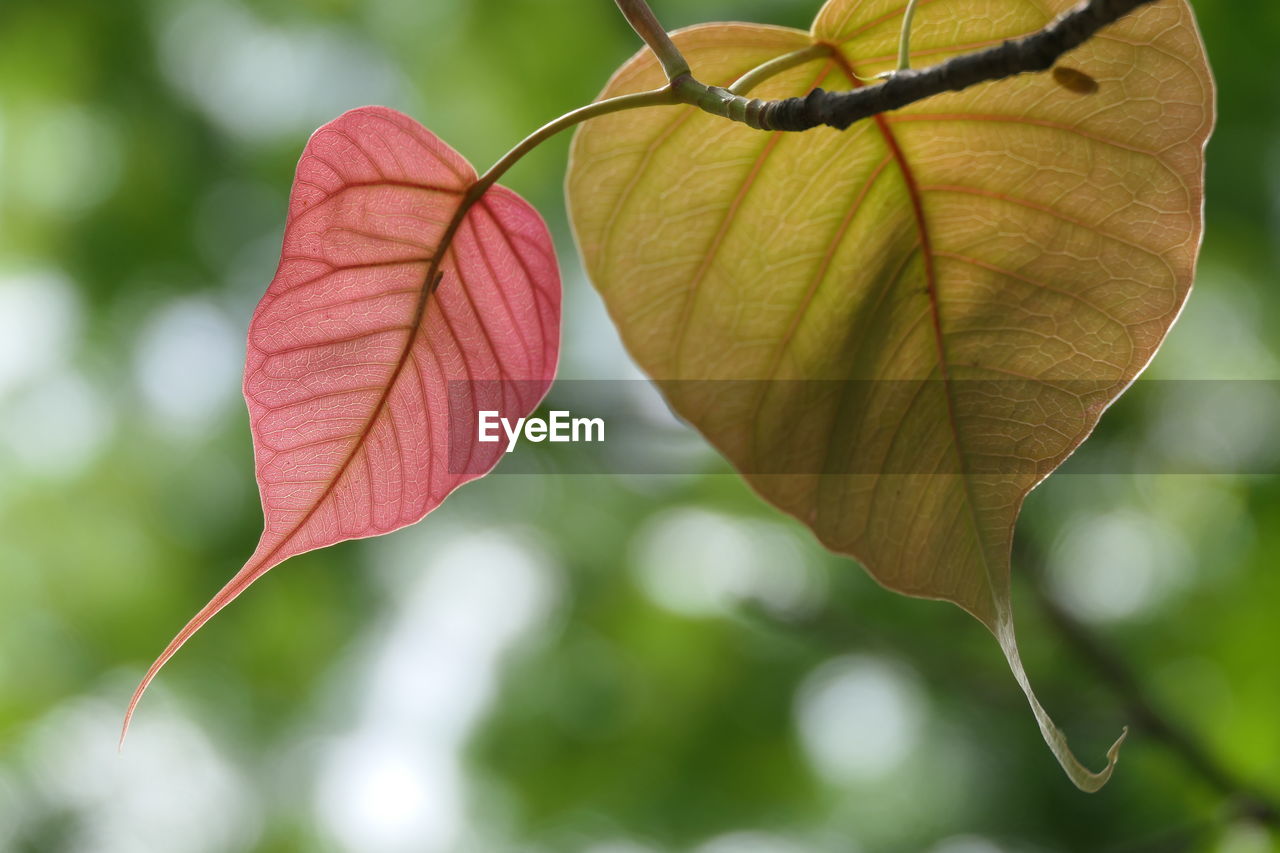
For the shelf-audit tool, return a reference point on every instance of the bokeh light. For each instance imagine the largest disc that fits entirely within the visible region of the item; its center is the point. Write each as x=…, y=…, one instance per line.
x=606, y=663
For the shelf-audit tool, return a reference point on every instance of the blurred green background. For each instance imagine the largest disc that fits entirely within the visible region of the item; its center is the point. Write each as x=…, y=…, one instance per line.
x=599, y=664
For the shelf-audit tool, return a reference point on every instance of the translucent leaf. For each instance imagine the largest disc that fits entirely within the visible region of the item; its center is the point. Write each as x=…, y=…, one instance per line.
x=914, y=321
x=396, y=315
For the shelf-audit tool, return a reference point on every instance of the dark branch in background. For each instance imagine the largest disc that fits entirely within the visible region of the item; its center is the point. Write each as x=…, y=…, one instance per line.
x=1033, y=53
x=1245, y=799
x=1036, y=52
x=1242, y=798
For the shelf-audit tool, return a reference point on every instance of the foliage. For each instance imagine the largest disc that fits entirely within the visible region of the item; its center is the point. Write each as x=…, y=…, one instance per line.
x=915, y=321
x=155, y=257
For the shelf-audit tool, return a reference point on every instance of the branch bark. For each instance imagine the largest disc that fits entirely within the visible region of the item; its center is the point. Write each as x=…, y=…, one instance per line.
x=1036, y=52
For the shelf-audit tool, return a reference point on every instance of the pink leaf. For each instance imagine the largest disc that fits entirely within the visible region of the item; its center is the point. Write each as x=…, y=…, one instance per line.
x=363, y=383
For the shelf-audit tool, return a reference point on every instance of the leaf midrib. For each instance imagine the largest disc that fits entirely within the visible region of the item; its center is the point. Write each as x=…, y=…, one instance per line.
x=931, y=285
x=406, y=354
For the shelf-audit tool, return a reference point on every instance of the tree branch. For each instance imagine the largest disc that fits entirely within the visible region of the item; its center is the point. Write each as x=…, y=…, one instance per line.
x=645, y=23
x=1240, y=798
x=1036, y=52
x=1247, y=800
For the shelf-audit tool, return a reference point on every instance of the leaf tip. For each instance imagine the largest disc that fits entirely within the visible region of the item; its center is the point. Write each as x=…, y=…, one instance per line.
x=137, y=694
x=253, y=570
x=1082, y=777
x=1113, y=754
x=1088, y=781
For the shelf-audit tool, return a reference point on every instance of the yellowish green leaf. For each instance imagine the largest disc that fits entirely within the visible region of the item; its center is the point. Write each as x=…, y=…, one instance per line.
x=912, y=322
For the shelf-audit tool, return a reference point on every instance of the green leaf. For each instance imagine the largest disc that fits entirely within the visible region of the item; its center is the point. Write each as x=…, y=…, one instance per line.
x=921, y=316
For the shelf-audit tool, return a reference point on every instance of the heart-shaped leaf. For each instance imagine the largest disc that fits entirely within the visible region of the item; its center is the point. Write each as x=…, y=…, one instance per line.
x=971, y=280
x=403, y=305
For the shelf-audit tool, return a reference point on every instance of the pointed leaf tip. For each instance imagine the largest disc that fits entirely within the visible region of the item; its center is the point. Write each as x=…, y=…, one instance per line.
x=1081, y=776
x=400, y=309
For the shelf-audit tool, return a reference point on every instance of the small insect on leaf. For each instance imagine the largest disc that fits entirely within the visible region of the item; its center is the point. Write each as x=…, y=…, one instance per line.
x=1074, y=80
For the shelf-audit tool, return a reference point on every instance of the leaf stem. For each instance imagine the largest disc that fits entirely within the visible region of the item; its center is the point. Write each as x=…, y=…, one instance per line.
x=654, y=98
x=904, y=40
x=657, y=97
x=645, y=23
x=776, y=66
